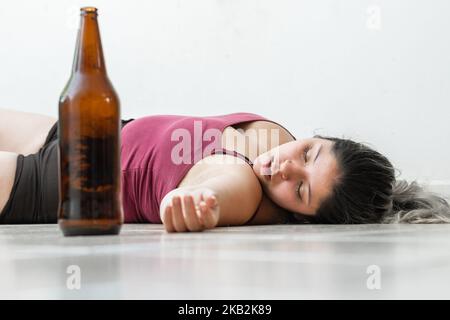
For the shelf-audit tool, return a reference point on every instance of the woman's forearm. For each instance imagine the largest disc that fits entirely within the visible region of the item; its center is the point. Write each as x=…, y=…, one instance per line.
x=238, y=194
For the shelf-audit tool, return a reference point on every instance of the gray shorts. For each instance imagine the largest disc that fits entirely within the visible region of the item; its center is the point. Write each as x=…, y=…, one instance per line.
x=34, y=196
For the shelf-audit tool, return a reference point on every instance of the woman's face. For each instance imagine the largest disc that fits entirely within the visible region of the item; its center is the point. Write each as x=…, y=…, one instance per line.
x=298, y=175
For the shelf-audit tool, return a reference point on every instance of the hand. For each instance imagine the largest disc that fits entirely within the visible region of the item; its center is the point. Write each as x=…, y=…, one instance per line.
x=193, y=209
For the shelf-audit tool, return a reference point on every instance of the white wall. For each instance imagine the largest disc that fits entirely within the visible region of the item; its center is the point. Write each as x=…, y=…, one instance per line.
x=377, y=71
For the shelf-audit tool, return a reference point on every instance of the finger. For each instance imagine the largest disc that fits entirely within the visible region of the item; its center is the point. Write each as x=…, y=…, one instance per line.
x=211, y=201
x=198, y=211
x=177, y=215
x=167, y=219
x=190, y=216
x=207, y=215
x=209, y=198
x=199, y=216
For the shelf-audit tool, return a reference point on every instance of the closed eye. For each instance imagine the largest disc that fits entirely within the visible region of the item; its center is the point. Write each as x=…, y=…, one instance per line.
x=305, y=154
x=305, y=157
x=298, y=190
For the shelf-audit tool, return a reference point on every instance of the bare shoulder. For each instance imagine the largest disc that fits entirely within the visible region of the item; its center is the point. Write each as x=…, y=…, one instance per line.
x=217, y=165
x=237, y=187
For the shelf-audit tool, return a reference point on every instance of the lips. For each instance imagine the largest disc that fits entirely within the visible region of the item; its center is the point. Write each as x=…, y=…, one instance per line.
x=266, y=161
x=266, y=168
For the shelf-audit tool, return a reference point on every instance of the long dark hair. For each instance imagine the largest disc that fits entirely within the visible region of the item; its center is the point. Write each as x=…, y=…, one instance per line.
x=366, y=191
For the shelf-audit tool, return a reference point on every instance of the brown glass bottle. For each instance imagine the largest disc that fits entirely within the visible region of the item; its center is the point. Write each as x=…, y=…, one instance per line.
x=89, y=141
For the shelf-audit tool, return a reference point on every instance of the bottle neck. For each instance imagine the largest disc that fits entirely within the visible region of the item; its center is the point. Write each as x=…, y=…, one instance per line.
x=88, y=53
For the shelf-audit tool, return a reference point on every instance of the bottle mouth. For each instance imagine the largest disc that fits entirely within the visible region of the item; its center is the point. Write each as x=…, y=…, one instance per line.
x=87, y=10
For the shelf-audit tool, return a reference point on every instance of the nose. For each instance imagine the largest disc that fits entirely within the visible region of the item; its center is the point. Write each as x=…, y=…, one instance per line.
x=291, y=170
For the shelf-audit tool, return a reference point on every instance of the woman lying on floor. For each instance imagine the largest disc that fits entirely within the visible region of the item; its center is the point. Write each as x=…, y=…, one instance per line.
x=190, y=174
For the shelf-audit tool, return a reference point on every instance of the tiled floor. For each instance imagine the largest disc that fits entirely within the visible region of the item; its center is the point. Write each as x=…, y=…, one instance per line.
x=263, y=262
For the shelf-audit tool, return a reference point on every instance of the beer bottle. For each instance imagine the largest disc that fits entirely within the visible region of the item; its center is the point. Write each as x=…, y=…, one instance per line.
x=89, y=141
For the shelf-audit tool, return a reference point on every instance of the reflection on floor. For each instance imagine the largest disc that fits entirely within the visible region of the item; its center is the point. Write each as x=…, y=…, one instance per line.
x=260, y=262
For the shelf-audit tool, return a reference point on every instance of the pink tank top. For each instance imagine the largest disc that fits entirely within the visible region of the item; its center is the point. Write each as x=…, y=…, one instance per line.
x=157, y=151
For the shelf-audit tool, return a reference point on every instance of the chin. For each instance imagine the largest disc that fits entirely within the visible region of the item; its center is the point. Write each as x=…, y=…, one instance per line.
x=279, y=201
x=270, y=196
